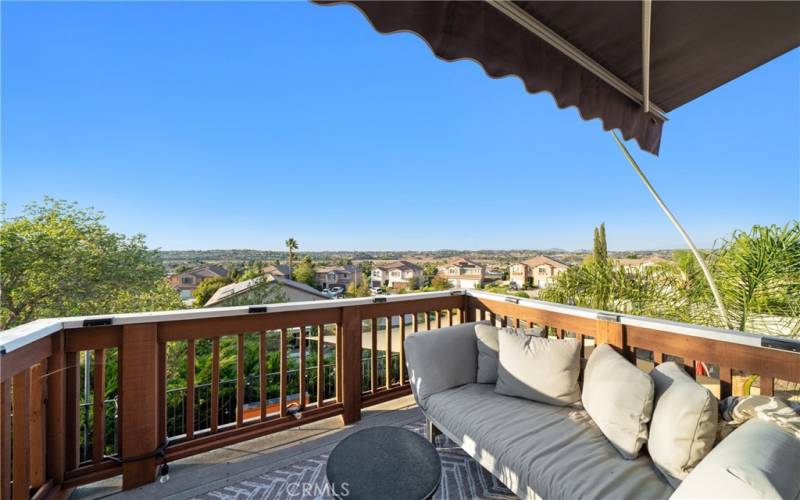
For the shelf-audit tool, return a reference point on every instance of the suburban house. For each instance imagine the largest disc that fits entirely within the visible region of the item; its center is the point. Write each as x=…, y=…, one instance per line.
x=187, y=281
x=540, y=271
x=638, y=264
x=463, y=273
x=397, y=274
x=279, y=271
x=262, y=290
x=330, y=276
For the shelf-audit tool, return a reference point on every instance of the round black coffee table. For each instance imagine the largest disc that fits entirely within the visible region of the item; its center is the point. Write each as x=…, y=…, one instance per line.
x=384, y=462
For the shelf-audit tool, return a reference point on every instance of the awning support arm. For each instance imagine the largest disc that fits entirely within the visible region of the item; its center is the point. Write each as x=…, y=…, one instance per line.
x=647, y=9
x=539, y=29
x=697, y=255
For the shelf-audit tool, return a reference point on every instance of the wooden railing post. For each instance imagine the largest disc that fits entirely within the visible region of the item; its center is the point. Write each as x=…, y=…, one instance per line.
x=56, y=408
x=612, y=333
x=468, y=311
x=36, y=443
x=5, y=440
x=21, y=435
x=72, y=419
x=351, y=364
x=139, y=403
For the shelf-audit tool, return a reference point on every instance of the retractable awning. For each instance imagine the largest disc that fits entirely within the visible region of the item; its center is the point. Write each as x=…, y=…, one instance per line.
x=600, y=56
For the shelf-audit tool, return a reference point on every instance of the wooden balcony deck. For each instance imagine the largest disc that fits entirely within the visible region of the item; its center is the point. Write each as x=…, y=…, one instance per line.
x=213, y=471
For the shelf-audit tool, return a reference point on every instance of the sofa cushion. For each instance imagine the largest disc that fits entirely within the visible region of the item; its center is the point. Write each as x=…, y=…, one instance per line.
x=489, y=348
x=544, y=370
x=684, y=424
x=619, y=397
x=441, y=359
x=540, y=450
x=757, y=460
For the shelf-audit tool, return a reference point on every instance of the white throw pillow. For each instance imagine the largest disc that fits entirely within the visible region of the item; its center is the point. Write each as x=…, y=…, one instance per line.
x=619, y=398
x=539, y=369
x=684, y=424
x=489, y=348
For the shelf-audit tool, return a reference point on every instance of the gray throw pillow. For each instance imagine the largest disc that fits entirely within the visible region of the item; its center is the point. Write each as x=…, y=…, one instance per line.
x=619, y=398
x=489, y=348
x=539, y=369
x=684, y=424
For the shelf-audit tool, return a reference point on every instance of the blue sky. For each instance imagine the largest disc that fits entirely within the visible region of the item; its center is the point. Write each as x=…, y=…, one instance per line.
x=239, y=125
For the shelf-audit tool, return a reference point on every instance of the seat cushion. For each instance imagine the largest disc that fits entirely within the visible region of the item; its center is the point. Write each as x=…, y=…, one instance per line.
x=619, y=398
x=684, y=425
x=540, y=450
x=757, y=460
x=543, y=370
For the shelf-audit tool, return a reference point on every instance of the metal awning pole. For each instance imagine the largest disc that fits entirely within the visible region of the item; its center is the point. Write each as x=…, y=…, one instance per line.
x=717, y=298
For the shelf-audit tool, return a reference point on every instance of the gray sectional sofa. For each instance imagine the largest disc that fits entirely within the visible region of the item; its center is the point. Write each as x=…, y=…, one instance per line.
x=540, y=450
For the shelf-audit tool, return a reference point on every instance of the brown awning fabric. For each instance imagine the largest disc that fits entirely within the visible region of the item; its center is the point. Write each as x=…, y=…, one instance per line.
x=695, y=47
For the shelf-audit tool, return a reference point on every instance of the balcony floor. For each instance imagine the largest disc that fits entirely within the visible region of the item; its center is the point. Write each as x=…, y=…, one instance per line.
x=262, y=467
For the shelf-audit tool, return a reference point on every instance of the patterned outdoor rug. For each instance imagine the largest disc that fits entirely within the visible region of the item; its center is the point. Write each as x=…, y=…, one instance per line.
x=462, y=477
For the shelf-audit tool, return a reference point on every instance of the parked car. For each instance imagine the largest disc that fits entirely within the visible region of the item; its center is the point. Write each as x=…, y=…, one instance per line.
x=376, y=290
x=337, y=290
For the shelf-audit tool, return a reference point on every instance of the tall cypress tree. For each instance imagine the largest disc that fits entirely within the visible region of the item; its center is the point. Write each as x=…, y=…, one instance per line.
x=603, y=247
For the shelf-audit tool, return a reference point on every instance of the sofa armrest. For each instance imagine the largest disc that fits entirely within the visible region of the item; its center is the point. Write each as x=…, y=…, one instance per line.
x=757, y=460
x=441, y=359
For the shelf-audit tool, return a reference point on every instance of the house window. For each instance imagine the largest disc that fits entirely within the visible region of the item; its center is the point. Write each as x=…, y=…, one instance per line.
x=187, y=280
x=542, y=271
x=453, y=270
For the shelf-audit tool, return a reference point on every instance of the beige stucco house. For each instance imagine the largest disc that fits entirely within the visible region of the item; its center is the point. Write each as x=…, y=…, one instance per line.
x=539, y=271
x=638, y=264
x=330, y=276
x=187, y=281
x=463, y=273
x=397, y=274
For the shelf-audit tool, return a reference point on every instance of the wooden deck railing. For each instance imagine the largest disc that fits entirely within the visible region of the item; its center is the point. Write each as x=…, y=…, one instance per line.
x=43, y=427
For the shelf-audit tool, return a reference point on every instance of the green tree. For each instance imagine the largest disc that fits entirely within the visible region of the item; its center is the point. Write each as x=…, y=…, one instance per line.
x=366, y=271
x=758, y=275
x=429, y=272
x=291, y=246
x=439, y=283
x=600, y=247
x=305, y=271
x=757, y=272
x=360, y=290
x=62, y=260
x=207, y=288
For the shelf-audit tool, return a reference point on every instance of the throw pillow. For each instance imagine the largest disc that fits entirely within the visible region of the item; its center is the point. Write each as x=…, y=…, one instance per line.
x=684, y=425
x=539, y=369
x=489, y=348
x=619, y=398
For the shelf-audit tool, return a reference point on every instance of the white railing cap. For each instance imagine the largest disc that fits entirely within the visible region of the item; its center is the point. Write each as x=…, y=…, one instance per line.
x=22, y=335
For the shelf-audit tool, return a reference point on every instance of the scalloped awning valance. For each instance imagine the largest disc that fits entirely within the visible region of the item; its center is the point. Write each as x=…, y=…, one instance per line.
x=589, y=54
